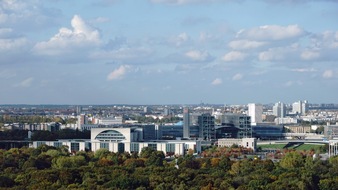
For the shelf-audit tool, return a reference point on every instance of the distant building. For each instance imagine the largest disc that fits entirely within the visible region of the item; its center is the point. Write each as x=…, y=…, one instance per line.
x=186, y=123
x=118, y=139
x=300, y=107
x=331, y=131
x=234, y=126
x=206, y=123
x=268, y=131
x=255, y=112
x=111, y=121
x=279, y=110
x=244, y=142
x=286, y=120
x=299, y=129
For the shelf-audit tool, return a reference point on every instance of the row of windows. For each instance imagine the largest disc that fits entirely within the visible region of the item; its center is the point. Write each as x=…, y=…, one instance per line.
x=115, y=138
x=111, y=134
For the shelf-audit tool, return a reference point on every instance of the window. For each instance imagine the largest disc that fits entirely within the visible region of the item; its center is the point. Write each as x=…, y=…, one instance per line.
x=152, y=146
x=104, y=145
x=57, y=144
x=134, y=147
x=39, y=143
x=170, y=147
x=74, y=147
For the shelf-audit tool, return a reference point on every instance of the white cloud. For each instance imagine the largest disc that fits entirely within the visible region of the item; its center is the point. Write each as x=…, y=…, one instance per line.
x=246, y=44
x=328, y=74
x=280, y=53
x=217, y=81
x=118, y=73
x=292, y=83
x=12, y=44
x=234, y=56
x=10, y=41
x=237, y=76
x=272, y=32
x=303, y=70
x=197, y=55
x=27, y=15
x=180, y=39
x=81, y=36
x=27, y=82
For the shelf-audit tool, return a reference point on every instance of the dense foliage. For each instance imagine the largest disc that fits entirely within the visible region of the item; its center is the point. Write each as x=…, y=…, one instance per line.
x=55, y=168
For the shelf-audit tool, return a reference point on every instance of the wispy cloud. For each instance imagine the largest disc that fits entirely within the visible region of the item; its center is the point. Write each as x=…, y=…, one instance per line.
x=234, y=56
x=217, y=81
x=272, y=32
x=26, y=83
x=328, y=74
x=118, y=73
x=237, y=76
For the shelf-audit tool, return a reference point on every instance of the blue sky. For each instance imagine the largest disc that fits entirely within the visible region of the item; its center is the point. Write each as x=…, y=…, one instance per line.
x=168, y=51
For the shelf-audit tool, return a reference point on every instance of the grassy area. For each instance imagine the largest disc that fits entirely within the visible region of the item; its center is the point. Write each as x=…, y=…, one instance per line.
x=308, y=147
x=281, y=146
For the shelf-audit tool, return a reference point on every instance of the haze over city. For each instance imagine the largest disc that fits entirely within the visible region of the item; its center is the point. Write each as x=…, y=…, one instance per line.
x=168, y=51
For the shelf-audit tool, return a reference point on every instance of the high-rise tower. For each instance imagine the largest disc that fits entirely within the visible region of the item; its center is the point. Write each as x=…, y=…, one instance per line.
x=255, y=112
x=186, y=123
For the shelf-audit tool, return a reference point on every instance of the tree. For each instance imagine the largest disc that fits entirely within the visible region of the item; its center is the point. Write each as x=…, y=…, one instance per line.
x=292, y=160
x=146, y=152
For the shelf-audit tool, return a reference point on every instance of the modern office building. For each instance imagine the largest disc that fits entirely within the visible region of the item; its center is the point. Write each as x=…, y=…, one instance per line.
x=279, y=110
x=170, y=132
x=120, y=139
x=234, y=126
x=206, y=123
x=268, y=132
x=255, y=111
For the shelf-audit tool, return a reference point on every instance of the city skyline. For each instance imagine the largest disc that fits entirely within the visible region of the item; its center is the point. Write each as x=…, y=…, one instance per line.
x=168, y=51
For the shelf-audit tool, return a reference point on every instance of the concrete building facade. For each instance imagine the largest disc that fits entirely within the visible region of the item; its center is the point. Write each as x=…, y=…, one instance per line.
x=279, y=110
x=255, y=111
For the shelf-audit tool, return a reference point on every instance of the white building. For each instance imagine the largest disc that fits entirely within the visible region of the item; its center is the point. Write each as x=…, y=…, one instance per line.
x=124, y=140
x=244, y=142
x=279, y=110
x=300, y=107
x=111, y=121
x=255, y=112
x=286, y=120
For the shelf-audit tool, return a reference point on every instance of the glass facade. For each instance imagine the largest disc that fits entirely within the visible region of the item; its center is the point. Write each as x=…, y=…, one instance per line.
x=268, y=132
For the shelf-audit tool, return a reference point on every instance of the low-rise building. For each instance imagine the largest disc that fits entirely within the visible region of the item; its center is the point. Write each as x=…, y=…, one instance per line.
x=244, y=142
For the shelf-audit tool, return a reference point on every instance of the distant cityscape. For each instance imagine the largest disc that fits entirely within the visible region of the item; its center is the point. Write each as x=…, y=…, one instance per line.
x=175, y=129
